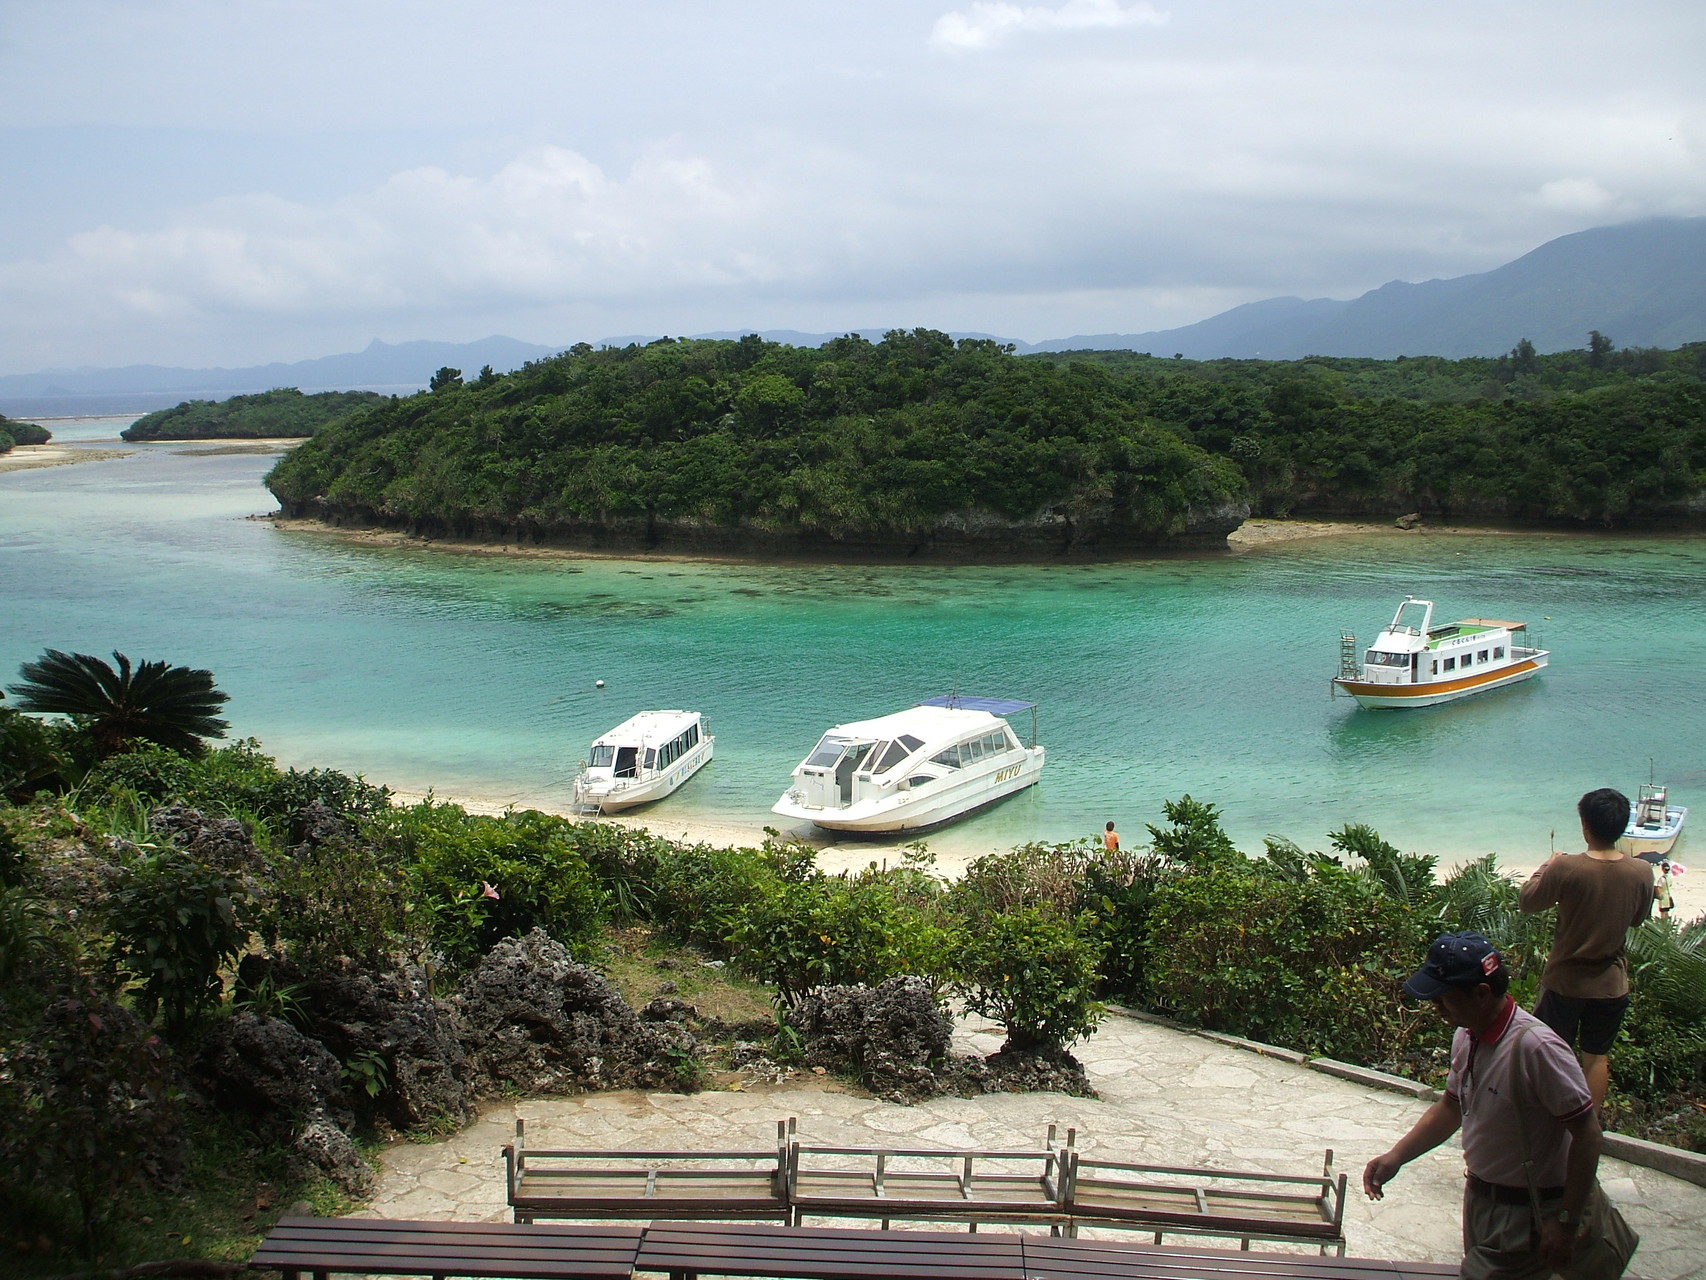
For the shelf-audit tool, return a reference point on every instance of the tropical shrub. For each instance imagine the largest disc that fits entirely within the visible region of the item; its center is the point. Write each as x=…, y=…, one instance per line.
x=484, y=879
x=1193, y=836
x=88, y=1110
x=838, y=931
x=1662, y=1047
x=1477, y=896
x=34, y=756
x=176, y=924
x=151, y=702
x=1035, y=972
x=699, y=893
x=1313, y=964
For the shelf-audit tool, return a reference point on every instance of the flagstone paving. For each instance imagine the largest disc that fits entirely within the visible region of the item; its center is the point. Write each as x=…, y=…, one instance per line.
x=1167, y=1097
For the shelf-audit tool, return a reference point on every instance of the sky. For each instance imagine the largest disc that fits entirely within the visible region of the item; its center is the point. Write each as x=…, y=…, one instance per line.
x=229, y=182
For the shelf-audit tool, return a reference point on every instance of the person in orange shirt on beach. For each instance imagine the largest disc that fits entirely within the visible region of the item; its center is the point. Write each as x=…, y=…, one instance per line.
x=1110, y=839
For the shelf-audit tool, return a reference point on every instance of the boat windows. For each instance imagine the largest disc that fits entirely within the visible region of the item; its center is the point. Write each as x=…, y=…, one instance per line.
x=889, y=754
x=651, y=758
x=627, y=762
x=1481, y=656
x=1381, y=658
x=827, y=751
x=603, y=756
x=678, y=746
x=918, y=780
x=1451, y=664
x=1498, y=653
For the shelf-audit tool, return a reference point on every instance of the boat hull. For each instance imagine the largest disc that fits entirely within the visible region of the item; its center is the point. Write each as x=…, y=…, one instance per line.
x=920, y=811
x=1432, y=693
x=1654, y=837
x=601, y=797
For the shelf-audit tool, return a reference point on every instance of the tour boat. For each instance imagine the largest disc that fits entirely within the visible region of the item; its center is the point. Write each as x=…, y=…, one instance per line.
x=923, y=767
x=1416, y=664
x=644, y=758
x=1654, y=823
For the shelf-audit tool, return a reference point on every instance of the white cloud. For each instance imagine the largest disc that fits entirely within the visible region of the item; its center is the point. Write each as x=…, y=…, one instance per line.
x=988, y=22
x=1575, y=195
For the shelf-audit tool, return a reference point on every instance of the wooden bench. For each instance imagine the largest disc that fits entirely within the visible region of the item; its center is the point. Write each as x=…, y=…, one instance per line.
x=322, y=1247
x=921, y=1184
x=827, y=1253
x=1064, y=1258
x=647, y=1184
x=1168, y=1200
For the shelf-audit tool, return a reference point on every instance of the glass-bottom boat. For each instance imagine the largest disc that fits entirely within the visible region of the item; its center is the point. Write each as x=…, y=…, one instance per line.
x=915, y=769
x=643, y=759
x=1413, y=663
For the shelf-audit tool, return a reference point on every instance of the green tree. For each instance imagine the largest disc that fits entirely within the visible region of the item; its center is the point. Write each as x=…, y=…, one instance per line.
x=156, y=702
x=1599, y=346
x=445, y=377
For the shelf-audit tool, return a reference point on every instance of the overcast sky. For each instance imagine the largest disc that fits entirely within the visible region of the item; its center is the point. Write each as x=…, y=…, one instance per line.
x=205, y=182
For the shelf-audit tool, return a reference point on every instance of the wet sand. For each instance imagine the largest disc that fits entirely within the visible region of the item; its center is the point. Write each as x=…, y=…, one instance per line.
x=27, y=456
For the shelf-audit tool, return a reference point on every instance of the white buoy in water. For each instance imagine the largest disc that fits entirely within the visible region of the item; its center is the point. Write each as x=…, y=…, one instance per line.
x=598, y=684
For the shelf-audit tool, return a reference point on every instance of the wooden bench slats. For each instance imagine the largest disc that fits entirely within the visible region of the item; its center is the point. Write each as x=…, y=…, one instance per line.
x=806, y=1253
x=398, y=1247
x=562, y=1252
x=1056, y=1258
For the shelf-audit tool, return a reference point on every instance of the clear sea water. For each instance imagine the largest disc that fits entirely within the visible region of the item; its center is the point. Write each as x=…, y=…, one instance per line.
x=476, y=674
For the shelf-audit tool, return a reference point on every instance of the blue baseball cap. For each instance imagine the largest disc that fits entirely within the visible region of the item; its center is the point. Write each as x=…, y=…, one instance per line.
x=1459, y=960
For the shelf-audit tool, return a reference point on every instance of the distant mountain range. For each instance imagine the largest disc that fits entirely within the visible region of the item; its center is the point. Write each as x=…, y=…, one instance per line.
x=1643, y=284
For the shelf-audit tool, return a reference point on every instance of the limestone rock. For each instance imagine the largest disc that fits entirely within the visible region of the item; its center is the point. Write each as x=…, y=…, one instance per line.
x=326, y=1148
x=393, y=1018
x=219, y=842
x=894, y=1037
x=274, y=1073
x=535, y=1019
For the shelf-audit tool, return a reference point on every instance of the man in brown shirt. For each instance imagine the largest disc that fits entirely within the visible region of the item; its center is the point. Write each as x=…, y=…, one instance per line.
x=1600, y=894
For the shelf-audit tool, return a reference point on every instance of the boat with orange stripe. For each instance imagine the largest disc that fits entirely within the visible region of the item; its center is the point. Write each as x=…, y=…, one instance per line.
x=1413, y=663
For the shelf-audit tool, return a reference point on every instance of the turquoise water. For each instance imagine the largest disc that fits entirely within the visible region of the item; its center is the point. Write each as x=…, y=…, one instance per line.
x=475, y=674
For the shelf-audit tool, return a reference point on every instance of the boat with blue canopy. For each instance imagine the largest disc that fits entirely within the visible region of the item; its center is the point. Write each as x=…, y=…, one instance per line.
x=924, y=767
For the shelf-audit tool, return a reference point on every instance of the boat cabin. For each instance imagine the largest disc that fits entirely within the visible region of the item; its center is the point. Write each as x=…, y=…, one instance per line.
x=901, y=752
x=633, y=748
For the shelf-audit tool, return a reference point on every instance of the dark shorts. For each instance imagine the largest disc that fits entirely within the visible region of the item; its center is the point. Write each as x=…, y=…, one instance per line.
x=1597, y=1020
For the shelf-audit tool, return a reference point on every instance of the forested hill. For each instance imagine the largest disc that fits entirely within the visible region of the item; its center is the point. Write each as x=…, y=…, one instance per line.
x=919, y=445
x=1597, y=435
x=283, y=412
x=915, y=445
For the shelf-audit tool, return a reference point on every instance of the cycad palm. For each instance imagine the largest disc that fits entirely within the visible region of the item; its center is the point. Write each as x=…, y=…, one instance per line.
x=156, y=702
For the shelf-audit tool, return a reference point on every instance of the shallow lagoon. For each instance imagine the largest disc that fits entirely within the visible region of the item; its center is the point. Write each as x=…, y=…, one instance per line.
x=475, y=674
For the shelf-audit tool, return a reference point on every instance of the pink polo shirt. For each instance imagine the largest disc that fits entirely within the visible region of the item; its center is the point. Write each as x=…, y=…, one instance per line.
x=1554, y=1090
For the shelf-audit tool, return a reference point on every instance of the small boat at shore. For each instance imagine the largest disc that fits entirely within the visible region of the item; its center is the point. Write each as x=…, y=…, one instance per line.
x=645, y=758
x=924, y=767
x=1654, y=823
x=1413, y=663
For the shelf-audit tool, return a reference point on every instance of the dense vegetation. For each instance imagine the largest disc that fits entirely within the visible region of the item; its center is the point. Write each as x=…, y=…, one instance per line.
x=13, y=432
x=133, y=930
x=914, y=444
x=1595, y=435
x=282, y=412
x=920, y=444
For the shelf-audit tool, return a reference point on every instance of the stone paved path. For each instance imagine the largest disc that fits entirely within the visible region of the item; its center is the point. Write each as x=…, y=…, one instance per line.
x=1167, y=1098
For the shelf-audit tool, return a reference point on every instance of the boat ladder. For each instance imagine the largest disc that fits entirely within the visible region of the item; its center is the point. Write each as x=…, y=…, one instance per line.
x=1349, y=667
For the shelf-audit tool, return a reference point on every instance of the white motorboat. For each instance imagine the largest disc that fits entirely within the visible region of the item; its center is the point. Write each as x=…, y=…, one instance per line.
x=915, y=769
x=1654, y=823
x=643, y=759
x=1413, y=663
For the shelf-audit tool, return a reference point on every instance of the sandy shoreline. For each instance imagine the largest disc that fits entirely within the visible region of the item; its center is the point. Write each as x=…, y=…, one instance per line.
x=27, y=456
x=1252, y=535
x=1689, y=890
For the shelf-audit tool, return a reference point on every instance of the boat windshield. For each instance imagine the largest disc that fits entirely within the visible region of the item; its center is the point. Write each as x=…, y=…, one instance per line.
x=888, y=754
x=1380, y=658
x=603, y=756
x=830, y=749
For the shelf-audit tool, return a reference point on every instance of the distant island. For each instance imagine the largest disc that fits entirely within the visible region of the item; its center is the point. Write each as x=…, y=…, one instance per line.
x=13, y=433
x=283, y=412
x=915, y=446
x=918, y=446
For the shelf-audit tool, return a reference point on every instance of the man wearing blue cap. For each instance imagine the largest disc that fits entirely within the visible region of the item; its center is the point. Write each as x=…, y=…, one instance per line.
x=1466, y=980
